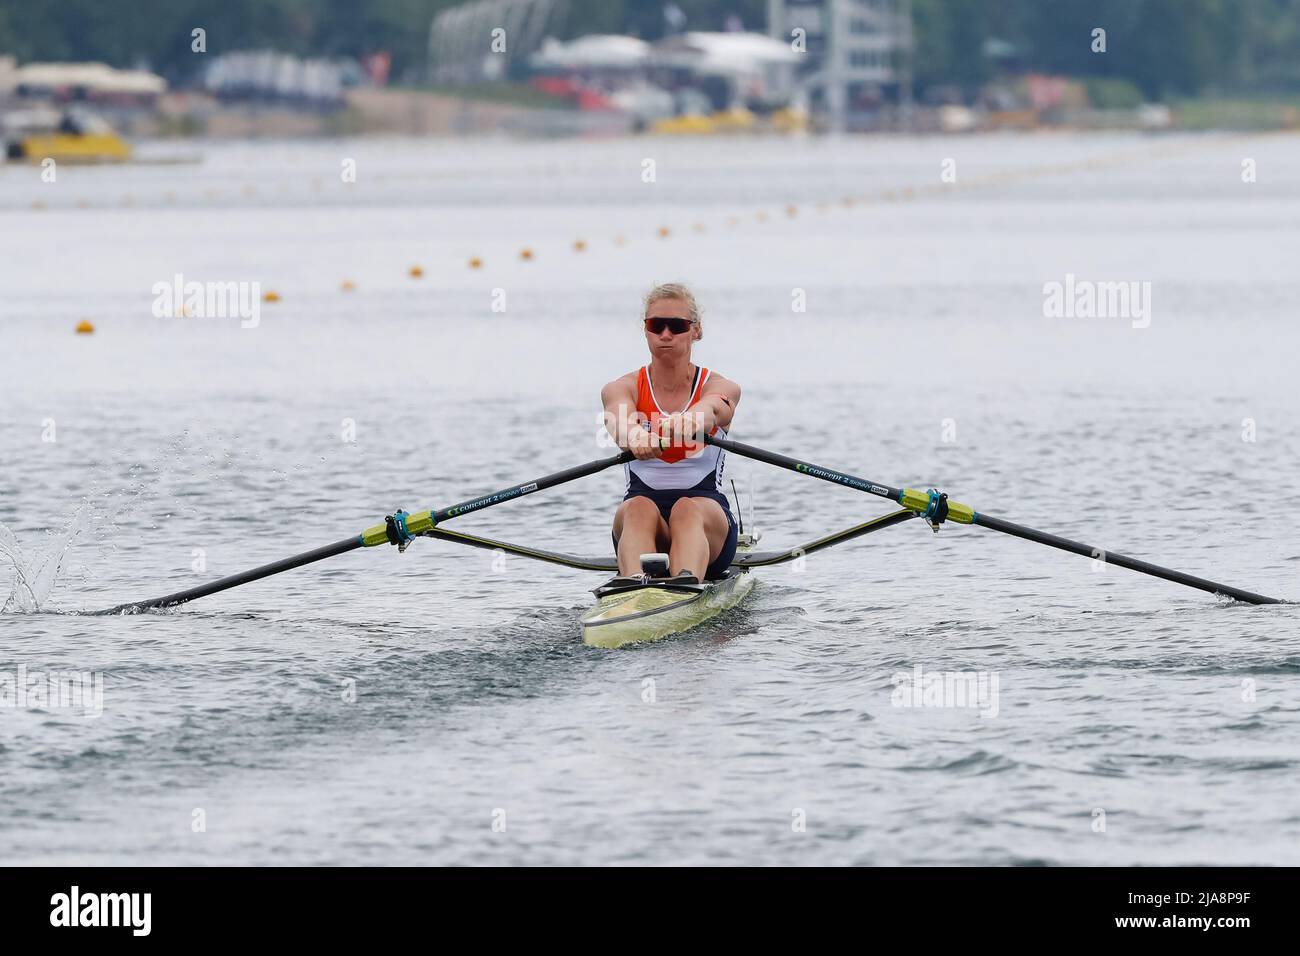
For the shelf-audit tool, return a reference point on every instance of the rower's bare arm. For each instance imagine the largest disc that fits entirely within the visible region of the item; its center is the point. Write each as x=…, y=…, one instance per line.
x=620, y=409
x=722, y=397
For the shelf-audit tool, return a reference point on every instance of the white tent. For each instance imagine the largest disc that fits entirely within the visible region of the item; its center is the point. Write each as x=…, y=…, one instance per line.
x=725, y=53
x=96, y=77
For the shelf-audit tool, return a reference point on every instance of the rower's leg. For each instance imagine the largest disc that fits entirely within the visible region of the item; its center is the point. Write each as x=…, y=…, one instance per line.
x=639, y=529
x=698, y=529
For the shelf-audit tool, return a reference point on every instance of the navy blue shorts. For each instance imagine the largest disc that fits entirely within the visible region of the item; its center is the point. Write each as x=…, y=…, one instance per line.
x=664, y=500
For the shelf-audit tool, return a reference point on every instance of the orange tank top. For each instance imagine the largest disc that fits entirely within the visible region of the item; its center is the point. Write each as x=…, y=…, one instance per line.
x=648, y=406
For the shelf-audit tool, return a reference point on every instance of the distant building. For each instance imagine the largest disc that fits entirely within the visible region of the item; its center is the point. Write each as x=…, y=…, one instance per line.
x=461, y=40
x=857, y=54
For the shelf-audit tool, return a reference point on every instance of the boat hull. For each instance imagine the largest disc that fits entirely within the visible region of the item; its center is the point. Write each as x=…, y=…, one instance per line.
x=652, y=613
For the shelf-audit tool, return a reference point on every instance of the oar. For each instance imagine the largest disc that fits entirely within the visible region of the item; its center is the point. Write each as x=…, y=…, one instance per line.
x=937, y=508
x=397, y=529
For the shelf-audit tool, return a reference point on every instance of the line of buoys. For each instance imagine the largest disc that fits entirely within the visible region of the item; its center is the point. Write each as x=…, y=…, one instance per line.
x=891, y=195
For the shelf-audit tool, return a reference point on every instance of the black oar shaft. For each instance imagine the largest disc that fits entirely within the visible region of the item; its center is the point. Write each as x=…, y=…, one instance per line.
x=243, y=577
x=1123, y=561
x=804, y=468
x=358, y=541
x=994, y=524
x=528, y=487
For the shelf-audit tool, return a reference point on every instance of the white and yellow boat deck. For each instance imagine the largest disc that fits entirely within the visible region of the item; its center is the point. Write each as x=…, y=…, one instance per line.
x=637, y=614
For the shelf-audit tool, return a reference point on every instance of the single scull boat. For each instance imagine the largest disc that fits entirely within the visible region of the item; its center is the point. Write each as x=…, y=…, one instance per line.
x=628, y=612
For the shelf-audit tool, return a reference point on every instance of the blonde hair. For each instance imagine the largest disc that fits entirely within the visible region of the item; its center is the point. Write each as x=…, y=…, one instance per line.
x=679, y=292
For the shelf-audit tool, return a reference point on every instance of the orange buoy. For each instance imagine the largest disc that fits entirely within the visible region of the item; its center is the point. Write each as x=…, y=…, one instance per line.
x=85, y=327
x=526, y=254
x=580, y=245
x=271, y=296
x=476, y=263
x=348, y=285
x=416, y=272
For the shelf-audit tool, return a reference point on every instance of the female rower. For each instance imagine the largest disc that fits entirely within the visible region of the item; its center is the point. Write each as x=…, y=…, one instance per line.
x=674, y=501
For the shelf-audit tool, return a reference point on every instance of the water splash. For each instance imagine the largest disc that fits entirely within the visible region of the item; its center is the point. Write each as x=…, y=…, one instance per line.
x=36, y=571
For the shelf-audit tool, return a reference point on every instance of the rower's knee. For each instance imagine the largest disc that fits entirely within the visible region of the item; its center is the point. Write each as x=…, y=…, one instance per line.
x=639, y=511
x=685, y=511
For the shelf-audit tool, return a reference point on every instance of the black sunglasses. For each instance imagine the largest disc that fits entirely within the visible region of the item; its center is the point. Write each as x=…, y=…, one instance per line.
x=658, y=323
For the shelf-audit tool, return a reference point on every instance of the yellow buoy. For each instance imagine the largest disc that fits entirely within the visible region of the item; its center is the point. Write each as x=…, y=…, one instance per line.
x=579, y=245
x=271, y=296
x=526, y=254
x=348, y=285
x=85, y=327
x=476, y=263
x=416, y=272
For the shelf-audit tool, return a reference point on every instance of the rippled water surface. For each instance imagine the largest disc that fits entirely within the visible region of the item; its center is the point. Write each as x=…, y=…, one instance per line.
x=1135, y=721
